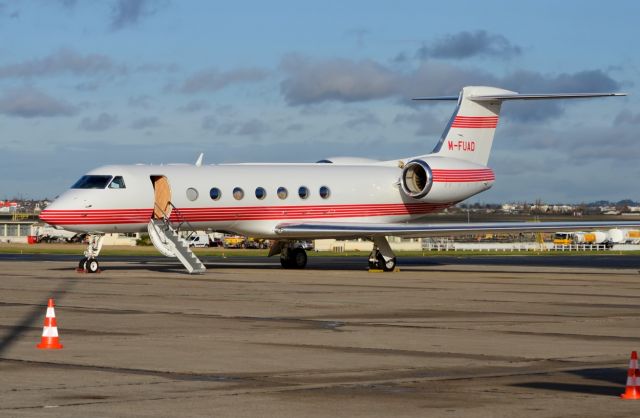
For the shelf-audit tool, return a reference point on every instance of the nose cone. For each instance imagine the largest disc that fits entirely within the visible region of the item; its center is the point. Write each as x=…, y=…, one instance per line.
x=51, y=213
x=66, y=207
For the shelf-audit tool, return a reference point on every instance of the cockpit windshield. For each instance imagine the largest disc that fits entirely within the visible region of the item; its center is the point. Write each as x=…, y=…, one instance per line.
x=117, y=183
x=92, y=182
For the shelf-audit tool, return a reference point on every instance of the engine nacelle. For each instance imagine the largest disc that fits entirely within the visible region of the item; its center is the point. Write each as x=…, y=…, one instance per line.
x=416, y=179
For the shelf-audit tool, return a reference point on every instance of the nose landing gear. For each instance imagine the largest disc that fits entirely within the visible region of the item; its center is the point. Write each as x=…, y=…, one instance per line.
x=89, y=263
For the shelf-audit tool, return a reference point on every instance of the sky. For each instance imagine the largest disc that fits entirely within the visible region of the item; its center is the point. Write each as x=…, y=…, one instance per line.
x=87, y=83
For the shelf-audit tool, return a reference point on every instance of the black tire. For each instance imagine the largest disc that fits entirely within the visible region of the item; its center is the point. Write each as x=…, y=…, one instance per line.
x=82, y=265
x=386, y=265
x=92, y=265
x=285, y=262
x=298, y=258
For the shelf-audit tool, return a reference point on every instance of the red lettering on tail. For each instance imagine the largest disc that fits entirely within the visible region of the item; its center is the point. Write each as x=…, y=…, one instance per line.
x=469, y=146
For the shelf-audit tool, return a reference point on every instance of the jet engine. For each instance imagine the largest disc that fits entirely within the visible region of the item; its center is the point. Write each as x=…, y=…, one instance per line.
x=416, y=179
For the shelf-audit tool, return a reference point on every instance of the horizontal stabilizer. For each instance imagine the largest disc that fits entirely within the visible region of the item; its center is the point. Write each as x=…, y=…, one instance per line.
x=519, y=96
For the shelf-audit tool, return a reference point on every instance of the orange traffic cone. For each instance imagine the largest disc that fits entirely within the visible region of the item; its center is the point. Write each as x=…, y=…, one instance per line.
x=50, y=339
x=633, y=379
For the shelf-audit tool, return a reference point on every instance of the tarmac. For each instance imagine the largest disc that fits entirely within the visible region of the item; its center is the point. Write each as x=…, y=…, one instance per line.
x=445, y=337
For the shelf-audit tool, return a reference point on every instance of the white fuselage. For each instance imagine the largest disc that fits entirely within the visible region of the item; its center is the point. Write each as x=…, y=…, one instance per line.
x=353, y=193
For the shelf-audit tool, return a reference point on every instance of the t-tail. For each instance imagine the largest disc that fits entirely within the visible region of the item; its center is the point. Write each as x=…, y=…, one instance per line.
x=469, y=134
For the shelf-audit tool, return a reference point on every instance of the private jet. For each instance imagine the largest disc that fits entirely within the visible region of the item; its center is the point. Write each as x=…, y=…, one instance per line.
x=342, y=198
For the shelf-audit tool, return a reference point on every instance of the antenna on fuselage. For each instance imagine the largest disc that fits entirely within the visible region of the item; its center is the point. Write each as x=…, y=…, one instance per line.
x=199, y=160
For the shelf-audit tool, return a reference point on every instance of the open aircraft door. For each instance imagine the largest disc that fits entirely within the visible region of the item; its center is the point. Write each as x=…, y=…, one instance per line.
x=162, y=197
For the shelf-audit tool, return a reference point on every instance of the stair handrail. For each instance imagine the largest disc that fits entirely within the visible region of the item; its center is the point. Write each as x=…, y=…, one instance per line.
x=180, y=220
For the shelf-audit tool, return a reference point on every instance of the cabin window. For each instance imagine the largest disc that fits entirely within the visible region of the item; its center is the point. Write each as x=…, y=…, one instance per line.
x=117, y=183
x=238, y=193
x=283, y=193
x=192, y=194
x=325, y=192
x=92, y=182
x=215, y=193
x=303, y=192
x=261, y=193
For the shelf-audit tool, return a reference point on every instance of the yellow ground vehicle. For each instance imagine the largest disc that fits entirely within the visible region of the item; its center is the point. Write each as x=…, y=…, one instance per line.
x=563, y=238
x=234, y=241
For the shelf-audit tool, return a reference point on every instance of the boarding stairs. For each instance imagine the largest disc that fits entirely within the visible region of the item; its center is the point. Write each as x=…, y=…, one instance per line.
x=167, y=240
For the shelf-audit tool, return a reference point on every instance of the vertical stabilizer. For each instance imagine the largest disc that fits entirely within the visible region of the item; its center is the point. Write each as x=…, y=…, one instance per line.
x=469, y=134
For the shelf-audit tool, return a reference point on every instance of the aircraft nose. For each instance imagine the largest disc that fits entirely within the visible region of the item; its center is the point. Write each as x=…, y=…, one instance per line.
x=64, y=207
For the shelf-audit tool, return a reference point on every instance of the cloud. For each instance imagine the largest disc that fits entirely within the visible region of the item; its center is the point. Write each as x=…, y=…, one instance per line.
x=102, y=122
x=63, y=61
x=308, y=81
x=466, y=44
x=125, y=13
x=427, y=123
x=11, y=13
x=591, y=81
x=69, y=4
x=339, y=79
x=363, y=119
x=29, y=102
x=91, y=85
x=253, y=127
x=194, y=106
x=209, y=122
x=294, y=127
x=142, y=101
x=212, y=80
x=588, y=81
x=145, y=123
x=359, y=35
x=626, y=117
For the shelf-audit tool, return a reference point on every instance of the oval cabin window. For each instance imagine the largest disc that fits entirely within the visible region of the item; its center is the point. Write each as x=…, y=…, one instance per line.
x=325, y=192
x=215, y=193
x=238, y=193
x=192, y=194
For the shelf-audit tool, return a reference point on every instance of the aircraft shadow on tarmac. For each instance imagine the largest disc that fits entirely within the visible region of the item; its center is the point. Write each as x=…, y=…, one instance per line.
x=28, y=321
x=614, y=375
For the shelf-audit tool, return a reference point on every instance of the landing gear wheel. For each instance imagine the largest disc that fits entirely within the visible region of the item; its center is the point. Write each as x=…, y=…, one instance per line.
x=386, y=265
x=285, y=262
x=82, y=265
x=92, y=265
x=298, y=258
x=377, y=262
x=295, y=259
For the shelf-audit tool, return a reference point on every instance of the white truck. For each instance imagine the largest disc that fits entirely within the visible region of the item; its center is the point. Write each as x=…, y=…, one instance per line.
x=200, y=240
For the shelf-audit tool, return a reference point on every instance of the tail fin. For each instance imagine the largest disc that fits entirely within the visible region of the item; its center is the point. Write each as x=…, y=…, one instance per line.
x=469, y=134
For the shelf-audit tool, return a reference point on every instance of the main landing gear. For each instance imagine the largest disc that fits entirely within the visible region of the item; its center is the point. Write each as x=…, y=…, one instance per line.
x=293, y=258
x=382, y=257
x=89, y=263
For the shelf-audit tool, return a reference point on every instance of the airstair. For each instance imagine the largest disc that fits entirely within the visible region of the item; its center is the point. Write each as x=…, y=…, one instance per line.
x=167, y=240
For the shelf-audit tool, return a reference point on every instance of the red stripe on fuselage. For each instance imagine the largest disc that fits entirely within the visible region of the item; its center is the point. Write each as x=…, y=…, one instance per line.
x=246, y=213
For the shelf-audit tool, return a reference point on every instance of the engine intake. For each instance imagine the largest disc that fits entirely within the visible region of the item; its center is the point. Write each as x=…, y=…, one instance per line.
x=416, y=179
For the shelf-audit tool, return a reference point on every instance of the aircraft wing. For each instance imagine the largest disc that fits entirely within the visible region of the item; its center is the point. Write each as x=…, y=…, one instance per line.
x=308, y=230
